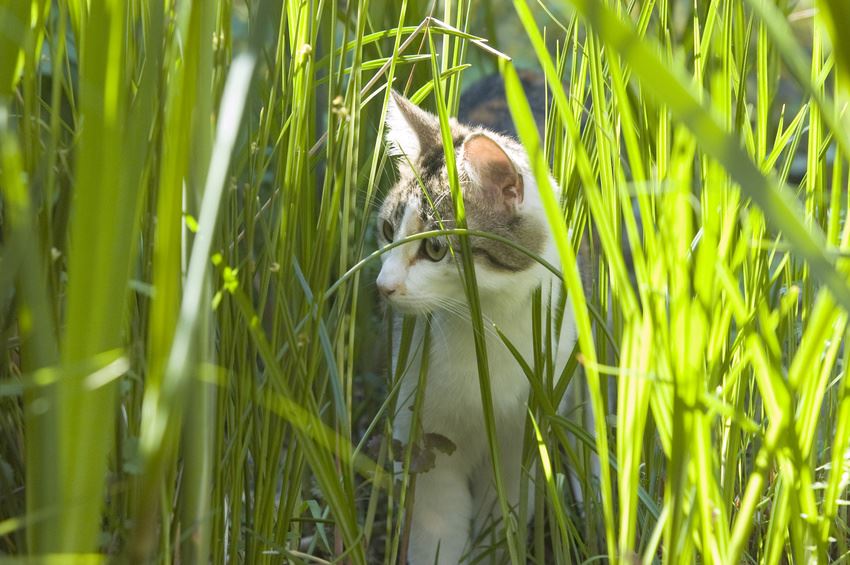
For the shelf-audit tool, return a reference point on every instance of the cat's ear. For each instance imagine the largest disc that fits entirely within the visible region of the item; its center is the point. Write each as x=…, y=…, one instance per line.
x=491, y=171
x=409, y=127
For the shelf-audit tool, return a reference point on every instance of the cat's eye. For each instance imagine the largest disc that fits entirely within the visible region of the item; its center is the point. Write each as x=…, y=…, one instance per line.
x=388, y=230
x=435, y=249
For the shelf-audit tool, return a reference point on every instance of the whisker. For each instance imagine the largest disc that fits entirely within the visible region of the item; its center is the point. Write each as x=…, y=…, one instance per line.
x=460, y=309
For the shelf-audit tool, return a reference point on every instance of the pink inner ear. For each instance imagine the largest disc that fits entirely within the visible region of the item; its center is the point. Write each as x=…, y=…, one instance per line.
x=494, y=171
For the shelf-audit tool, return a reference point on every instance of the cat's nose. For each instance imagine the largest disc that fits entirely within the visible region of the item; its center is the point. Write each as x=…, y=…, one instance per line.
x=386, y=290
x=389, y=285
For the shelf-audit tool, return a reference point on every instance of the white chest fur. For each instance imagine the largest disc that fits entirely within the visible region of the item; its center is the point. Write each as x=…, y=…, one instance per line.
x=455, y=499
x=453, y=395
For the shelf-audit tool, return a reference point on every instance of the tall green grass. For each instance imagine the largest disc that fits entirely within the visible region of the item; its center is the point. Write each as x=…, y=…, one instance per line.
x=190, y=370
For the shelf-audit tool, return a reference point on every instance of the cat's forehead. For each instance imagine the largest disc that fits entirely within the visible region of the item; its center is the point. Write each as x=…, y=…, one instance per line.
x=427, y=192
x=425, y=184
x=424, y=200
x=432, y=162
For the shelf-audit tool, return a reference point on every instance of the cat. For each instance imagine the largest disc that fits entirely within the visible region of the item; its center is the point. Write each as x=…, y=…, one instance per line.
x=455, y=500
x=484, y=102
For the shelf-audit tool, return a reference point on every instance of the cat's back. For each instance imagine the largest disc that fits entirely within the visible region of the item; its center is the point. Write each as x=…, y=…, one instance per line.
x=484, y=103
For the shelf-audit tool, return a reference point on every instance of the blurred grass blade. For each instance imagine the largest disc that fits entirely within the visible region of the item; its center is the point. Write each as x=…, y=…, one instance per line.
x=40, y=347
x=163, y=407
x=198, y=441
x=98, y=266
x=836, y=13
x=14, y=15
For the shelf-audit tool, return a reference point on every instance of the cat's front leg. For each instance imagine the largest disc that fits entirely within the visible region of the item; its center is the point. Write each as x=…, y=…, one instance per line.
x=488, y=522
x=442, y=511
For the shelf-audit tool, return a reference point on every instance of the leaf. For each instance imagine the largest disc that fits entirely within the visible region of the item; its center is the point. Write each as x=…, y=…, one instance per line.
x=422, y=460
x=373, y=447
x=440, y=443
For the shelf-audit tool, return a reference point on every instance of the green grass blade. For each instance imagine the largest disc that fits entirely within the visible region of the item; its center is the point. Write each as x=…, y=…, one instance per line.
x=471, y=291
x=163, y=406
x=38, y=335
x=98, y=265
x=522, y=116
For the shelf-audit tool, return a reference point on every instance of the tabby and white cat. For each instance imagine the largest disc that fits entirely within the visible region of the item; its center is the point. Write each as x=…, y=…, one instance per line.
x=455, y=499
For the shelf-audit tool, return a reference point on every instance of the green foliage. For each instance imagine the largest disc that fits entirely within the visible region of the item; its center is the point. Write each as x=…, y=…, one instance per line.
x=190, y=371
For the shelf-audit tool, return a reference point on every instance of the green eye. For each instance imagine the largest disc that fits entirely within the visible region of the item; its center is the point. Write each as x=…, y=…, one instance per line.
x=435, y=249
x=387, y=230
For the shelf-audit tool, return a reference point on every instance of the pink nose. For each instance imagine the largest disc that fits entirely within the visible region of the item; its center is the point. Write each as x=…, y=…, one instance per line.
x=389, y=284
x=387, y=290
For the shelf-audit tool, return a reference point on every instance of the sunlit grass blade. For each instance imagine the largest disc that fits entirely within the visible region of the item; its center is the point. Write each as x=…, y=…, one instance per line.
x=632, y=409
x=521, y=113
x=779, y=207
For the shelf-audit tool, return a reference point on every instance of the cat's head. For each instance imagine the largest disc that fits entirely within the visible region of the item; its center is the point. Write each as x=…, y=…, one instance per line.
x=499, y=197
